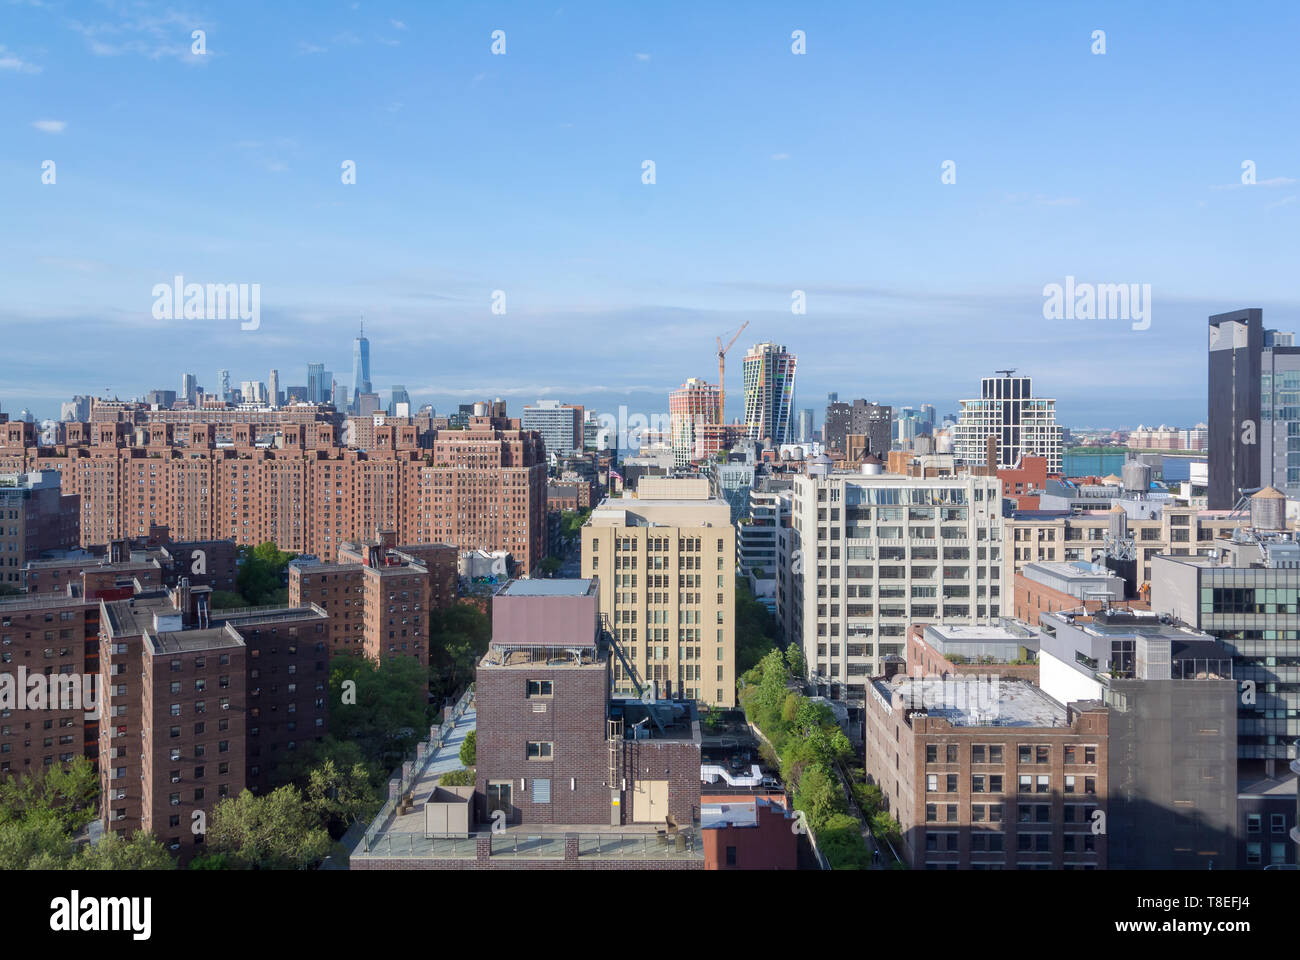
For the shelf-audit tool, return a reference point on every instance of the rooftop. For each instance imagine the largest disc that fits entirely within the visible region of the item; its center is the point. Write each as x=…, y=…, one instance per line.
x=194, y=641
x=548, y=588
x=1127, y=623
x=975, y=702
x=1073, y=569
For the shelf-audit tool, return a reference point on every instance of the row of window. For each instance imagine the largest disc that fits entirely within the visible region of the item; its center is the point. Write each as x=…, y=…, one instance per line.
x=1025, y=753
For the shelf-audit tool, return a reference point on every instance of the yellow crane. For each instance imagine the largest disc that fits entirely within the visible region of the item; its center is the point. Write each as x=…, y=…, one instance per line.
x=722, y=370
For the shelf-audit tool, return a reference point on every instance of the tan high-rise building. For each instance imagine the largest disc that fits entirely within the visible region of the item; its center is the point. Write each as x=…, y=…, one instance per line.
x=666, y=563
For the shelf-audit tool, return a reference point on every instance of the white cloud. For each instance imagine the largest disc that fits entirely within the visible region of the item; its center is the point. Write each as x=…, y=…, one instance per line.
x=780, y=156
x=643, y=57
x=11, y=61
x=397, y=24
x=1281, y=203
x=49, y=126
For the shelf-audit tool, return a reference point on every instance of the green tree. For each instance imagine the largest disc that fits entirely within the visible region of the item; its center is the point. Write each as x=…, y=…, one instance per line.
x=819, y=795
x=458, y=638
x=469, y=749
x=261, y=573
x=840, y=839
x=755, y=628
x=339, y=796
x=274, y=832
x=550, y=566
x=143, y=851
x=457, y=778
x=66, y=795
x=383, y=708
x=794, y=659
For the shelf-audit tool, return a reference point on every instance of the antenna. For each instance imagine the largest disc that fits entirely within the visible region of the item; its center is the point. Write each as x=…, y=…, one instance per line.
x=1006, y=373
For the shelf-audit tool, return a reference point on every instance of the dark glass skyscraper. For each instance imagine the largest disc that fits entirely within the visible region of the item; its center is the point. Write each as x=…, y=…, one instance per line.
x=1236, y=352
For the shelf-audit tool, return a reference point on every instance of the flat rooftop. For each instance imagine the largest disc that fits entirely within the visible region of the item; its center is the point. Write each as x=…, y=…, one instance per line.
x=1128, y=623
x=978, y=703
x=1073, y=569
x=547, y=588
x=194, y=641
x=963, y=633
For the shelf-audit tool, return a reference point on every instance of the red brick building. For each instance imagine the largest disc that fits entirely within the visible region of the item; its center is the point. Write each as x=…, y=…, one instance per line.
x=479, y=488
x=748, y=833
x=989, y=777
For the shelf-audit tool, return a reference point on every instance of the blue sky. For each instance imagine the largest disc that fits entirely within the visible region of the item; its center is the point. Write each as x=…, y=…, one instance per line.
x=522, y=173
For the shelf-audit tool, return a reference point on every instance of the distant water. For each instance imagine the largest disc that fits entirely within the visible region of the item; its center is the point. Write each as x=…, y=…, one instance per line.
x=1176, y=469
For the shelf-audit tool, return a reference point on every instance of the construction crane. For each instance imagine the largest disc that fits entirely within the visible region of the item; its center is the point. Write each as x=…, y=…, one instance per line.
x=722, y=370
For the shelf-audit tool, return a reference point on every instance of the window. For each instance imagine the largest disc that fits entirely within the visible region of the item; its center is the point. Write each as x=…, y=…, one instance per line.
x=731, y=856
x=931, y=753
x=952, y=753
x=541, y=790
x=995, y=753
x=1277, y=823
x=932, y=783
x=540, y=749
x=1254, y=823
x=541, y=688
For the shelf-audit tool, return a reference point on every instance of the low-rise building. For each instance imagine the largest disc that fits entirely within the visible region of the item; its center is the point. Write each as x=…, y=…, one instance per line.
x=989, y=774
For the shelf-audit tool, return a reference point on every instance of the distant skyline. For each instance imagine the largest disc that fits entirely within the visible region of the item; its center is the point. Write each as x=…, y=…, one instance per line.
x=523, y=173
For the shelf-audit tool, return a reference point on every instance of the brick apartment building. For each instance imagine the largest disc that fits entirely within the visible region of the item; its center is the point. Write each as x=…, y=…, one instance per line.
x=157, y=562
x=296, y=485
x=379, y=595
x=571, y=495
x=989, y=777
x=35, y=517
x=47, y=635
x=553, y=747
x=201, y=704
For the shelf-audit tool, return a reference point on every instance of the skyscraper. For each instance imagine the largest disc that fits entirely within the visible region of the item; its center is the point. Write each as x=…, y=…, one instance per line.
x=360, y=365
x=273, y=389
x=189, y=387
x=317, y=385
x=1024, y=425
x=399, y=395
x=693, y=421
x=559, y=424
x=769, y=393
x=1254, y=400
x=223, y=384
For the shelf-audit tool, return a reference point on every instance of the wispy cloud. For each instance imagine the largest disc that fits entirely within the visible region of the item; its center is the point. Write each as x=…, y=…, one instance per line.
x=1281, y=203
x=780, y=156
x=643, y=57
x=50, y=126
x=142, y=29
x=1271, y=182
x=11, y=61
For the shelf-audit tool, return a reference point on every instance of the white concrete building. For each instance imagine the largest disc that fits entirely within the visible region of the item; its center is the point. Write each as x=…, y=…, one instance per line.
x=871, y=554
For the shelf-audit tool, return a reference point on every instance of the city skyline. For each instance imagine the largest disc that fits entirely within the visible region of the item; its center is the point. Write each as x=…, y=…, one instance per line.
x=465, y=186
